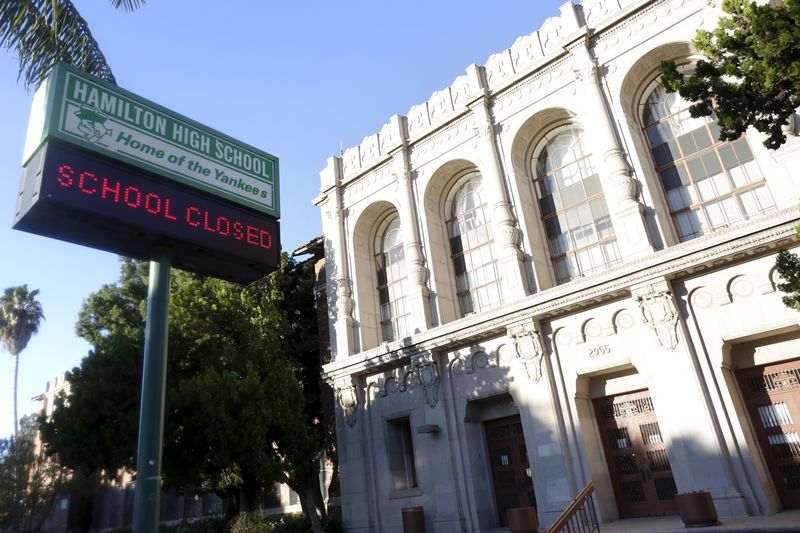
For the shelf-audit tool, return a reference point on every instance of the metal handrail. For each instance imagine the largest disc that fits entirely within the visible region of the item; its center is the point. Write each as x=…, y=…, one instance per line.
x=580, y=514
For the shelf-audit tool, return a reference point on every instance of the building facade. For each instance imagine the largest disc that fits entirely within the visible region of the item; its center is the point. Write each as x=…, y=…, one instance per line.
x=549, y=274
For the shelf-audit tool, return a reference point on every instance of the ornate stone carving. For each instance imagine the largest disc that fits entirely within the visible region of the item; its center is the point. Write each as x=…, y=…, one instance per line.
x=476, y=359
x=348, y=400
x=585, y=70
x=720, y=247
x=428, y=376
x=625, y=186
x=509, y=234
x=419, y=275
x=529, y=349
x=343, y=297
x=597, y=10
x=659, y=313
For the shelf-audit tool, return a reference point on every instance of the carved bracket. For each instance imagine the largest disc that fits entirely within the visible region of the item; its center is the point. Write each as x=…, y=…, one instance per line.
x=428, y=376
x=348, y=400
x=528, y=347
x=659, y=313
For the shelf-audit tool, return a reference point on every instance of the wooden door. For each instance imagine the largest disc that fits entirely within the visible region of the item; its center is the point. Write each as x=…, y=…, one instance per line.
x=772, y=396
x=511, y=473
x=637, y=458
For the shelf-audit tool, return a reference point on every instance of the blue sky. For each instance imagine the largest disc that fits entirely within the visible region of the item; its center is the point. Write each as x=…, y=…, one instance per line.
x=295, y=79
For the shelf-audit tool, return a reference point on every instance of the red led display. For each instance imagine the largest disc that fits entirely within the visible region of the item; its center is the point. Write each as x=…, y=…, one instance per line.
x=80, y=197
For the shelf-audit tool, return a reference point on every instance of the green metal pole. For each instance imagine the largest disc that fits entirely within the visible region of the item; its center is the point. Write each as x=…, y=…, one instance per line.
x=147, y=497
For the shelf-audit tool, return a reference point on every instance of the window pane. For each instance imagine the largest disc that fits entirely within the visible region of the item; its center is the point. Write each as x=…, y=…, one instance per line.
x=592, y=185
x=742, y=149
x=702, y=138
x=696, y=169
x=707, y=176
x=400, y=451
x=579, y=223
x=715, y=215
x=679, y=198
x=687, y=145
x=471, y=252
x=706, y=189
x=391, y=276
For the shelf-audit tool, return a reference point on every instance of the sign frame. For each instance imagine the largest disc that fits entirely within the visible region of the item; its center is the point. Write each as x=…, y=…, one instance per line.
x=78, y=196
x=113, y=122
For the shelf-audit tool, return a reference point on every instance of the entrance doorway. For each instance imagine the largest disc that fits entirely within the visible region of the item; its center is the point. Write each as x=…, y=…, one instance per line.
x=772, y=396
x=636, y=455
x=511, y=473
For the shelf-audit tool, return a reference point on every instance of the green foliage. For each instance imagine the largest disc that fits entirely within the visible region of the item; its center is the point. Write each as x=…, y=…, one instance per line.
x=20, y=316
x=250, y=523
x=43, y=32
x=29, y=482
x=258, y=523
x=788, y=266
x=242, y=404
x=206, y=525
x=751, y=72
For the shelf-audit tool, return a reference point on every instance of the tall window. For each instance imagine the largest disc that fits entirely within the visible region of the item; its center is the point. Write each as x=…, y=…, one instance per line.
x=708, y=184
x=401, y=454
x=390, y=263
x=477, y=282
x=574, y=211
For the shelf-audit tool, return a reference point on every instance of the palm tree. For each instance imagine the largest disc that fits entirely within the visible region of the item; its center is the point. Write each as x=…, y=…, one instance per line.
x=20, y=315
x=43, y=33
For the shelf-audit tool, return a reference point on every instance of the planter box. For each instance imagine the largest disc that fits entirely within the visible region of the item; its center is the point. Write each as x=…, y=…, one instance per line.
x=522, y=520
x=697, y=509
x=413, y=520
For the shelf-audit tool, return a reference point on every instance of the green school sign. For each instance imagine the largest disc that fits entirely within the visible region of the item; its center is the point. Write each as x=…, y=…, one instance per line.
x=84, y=111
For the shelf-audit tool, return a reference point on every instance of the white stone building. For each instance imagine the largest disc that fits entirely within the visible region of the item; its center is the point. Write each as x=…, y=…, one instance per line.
x=549, y=274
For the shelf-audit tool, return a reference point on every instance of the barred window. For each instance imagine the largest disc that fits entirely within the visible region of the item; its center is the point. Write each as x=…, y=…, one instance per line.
x=577, y=222
x=708, y=184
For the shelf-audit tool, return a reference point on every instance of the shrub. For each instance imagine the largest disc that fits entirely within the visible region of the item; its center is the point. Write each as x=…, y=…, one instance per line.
x=250, y=523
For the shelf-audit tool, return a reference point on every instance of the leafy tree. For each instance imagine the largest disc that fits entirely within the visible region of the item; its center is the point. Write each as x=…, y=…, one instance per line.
x=43, y=32
x=29, y=481
x=788, y=266
x=20, y=316
x=241, y=399
x=751, y=72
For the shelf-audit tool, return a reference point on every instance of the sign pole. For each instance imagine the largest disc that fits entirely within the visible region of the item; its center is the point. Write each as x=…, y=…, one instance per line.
x=147, y=497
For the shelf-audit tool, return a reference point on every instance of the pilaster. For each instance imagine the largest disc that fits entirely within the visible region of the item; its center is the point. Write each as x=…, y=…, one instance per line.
x=418, y=297
x=686, y=419
x=620, y=186
x=537, y=402
x=340, y=300
x=354, y=456
x=510, y=259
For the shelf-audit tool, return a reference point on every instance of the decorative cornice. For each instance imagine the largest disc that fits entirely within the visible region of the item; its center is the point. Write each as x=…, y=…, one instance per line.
x=721, y=247
x=658, y=312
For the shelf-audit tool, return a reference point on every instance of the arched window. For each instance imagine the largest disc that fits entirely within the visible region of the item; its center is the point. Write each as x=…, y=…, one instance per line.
x=708, y=184
x=574, y=211
x=390, y=263
x=477, y=282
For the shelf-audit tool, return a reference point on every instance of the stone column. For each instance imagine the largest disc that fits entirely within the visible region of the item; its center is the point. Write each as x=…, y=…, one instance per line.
x=354, y=460
x=539, y=407
x=685, y=414
x=340, y=301
x=621, y=188
x=432, y=438
x=510, y=260
x=418, y=296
